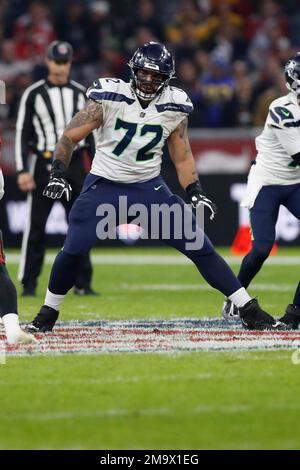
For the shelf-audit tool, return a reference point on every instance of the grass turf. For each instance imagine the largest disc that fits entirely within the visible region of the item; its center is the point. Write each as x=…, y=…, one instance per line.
x=237, y=400
x=189, y=401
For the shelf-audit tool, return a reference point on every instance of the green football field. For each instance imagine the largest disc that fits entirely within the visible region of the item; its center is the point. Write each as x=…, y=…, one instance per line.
x=178, y=399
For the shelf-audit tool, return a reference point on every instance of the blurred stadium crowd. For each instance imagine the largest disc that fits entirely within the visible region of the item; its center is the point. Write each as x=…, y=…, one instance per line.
x=229, y=53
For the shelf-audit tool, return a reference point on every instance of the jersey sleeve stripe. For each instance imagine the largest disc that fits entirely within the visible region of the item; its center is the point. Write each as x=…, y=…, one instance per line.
x=93, y=90
x=109, y=96
x=292, y=124
x=184, y=108
x=274, y=117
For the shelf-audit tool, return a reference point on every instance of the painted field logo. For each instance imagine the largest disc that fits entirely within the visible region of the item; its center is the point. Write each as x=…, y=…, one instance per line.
x=159, y=336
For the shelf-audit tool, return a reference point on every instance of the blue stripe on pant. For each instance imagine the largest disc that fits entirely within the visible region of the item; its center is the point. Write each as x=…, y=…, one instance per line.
x=82, y=231
x=263, y=218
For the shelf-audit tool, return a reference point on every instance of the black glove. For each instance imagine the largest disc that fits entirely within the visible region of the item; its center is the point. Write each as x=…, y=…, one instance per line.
x=58, y=184
x=197, y=196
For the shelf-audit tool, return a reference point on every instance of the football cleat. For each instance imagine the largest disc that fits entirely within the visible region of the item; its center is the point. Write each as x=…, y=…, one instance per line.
x=229, y=310
x=291, y=318
x=254, y=318
x=22, y=338
x=44, y=321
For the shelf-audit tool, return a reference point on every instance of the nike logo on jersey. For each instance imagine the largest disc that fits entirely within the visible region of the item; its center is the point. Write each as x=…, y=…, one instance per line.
x=156, y=188
x=286, y=113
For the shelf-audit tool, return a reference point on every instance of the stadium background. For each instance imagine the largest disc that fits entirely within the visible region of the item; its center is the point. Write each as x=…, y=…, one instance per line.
x=229, y=57
x=173, y=384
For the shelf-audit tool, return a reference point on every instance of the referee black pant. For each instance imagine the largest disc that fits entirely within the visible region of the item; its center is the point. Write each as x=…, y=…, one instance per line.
x=38, y=210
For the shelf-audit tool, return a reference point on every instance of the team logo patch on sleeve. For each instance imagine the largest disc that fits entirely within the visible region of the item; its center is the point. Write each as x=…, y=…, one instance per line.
x=283, y=113
x=96, y=84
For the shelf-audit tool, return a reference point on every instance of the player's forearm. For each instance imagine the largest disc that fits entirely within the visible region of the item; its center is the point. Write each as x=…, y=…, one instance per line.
x=182, y=156
x=186, y=172
x=64, y=149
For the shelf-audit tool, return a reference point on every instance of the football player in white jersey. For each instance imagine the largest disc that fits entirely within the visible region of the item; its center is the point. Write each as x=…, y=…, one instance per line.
x=8, y=298
x=274, y=180
x=133, y=121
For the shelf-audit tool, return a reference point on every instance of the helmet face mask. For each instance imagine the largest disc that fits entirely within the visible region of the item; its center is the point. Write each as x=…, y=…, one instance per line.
x=152, y=67
x=147, y=83
x=292, y=74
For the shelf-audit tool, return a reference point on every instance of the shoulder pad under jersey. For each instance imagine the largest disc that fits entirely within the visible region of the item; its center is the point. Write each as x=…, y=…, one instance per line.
x=110, y=89
x=177, y=101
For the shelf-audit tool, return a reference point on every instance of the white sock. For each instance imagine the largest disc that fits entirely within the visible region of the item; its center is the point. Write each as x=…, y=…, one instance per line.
x=11, y=325
x=53, y=300
x=240, y=297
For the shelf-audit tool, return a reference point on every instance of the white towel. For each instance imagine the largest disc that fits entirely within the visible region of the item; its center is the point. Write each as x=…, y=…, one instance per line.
x=254, y=185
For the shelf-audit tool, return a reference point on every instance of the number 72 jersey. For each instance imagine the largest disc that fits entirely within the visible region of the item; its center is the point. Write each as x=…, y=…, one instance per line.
x=129, y=144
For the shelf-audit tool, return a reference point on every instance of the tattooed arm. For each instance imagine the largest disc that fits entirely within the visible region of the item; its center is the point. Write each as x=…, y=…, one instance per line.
x=181, y=155
x=81, y=125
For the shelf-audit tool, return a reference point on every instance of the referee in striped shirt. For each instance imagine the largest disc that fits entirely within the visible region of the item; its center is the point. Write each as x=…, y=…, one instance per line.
x=45, y=109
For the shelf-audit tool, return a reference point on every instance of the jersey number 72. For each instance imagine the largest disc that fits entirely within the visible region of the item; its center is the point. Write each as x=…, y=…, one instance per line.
x=144, y=153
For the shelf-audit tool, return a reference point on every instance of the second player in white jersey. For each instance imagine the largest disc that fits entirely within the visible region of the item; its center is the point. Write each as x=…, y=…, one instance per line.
x=276, y=145
x=274, y=181
x=129, y=145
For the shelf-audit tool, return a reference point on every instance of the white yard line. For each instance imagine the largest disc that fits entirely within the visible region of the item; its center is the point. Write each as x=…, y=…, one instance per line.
x=132, y=379
x=204, y=287
x=162, y=260
x=144, y=412
x=119, y=379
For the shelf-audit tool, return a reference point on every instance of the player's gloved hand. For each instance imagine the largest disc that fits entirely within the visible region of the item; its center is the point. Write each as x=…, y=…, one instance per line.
x=197, y=196
x=58, y=185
